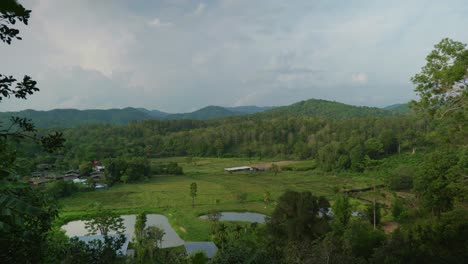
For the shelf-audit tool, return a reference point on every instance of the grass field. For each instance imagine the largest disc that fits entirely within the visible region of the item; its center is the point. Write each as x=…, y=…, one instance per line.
x=169, y=195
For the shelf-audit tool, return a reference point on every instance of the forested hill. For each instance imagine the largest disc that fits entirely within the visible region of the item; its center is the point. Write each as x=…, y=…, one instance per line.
x=313, y=108
x=327, y=109
x=74, y=117
x=398, y=108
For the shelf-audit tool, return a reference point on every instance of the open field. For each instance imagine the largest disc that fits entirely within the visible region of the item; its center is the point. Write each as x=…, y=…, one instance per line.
x=169, y=195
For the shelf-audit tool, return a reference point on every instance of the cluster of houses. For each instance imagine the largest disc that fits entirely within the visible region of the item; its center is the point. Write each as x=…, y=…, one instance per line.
x=44, y=174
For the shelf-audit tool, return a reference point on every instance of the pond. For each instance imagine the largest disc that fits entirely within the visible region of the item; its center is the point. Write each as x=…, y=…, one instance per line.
x=243, y=217
x=170, y=239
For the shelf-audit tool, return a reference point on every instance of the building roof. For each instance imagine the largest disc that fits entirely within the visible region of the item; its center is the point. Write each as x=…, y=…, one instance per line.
x=122, y=250
x=238, y=168
x=209, y=248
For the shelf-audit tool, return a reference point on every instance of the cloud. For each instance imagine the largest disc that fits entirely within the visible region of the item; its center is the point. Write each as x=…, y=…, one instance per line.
x=157, y=23
x=359, y=77
x=98, y=54
x=200, y=9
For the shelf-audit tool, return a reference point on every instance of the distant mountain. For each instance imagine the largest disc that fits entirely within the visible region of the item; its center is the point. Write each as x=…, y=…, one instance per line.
x=398, y=108
x=326, y=109
x=154, y=113
x=212, y=112
x=312, y=107
x=208, y=112
x=74, y=117
x=250, y=109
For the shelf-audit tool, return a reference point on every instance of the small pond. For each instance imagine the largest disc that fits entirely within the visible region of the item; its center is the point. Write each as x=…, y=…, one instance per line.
x=170, y=239
x=243, y=217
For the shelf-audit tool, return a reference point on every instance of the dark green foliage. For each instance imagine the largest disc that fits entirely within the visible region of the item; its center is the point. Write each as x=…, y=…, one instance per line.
x=170, y=168
x=341, y=212
x=296, y=217
x=361, y=238
x=429, y=240
x=61, y=189
x=86, y=168
x=27, y=216
x=370, y=213
x=399, y=210
x=326, y=109
x=401, y=178
x=96, y=251
x=193, y=192
x=433, y=184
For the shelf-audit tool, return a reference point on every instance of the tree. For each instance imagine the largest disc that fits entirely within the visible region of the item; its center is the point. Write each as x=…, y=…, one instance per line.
x=267, y=197
x=275, y=168
x=86, y=168
x=152, y=240
x=442, y=83
x=341, y=212
x=104, y=221
x=296, y=217
x=434, y=185
x=140, y=224
x=22, y=206
x=373, y=213
x=193, y=192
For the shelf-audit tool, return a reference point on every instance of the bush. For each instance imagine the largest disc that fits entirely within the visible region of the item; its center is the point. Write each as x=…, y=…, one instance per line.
x=401, y=178
x=171, y=168
x=60, y=189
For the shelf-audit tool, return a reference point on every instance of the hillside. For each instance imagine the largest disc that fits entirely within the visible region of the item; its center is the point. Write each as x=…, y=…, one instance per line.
x=74, y=117
x=311, y=107
x=326, y=109
x=208, y=112
x=398, y=108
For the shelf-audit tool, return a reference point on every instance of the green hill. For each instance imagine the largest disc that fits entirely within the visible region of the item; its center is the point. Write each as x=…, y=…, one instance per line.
x=326, y=109
x=208, y=112
x=398, y=108
x=74, y=117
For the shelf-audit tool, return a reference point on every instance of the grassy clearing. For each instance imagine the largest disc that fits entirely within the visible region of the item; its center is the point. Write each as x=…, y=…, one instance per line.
x=169, y=195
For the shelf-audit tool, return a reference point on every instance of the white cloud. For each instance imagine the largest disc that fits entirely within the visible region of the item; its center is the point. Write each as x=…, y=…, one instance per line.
x=200, y=9
x=156, y=22
x=359, y=77
x=264, y=52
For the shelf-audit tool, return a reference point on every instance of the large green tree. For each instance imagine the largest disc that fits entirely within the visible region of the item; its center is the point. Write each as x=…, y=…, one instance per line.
x=26, y=214
x=442, y=83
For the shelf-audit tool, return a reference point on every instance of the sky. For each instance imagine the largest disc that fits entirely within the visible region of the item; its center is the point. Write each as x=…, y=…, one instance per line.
x=181, y=55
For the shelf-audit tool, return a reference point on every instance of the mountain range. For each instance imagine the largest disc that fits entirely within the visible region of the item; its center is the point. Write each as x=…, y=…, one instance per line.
x=311, y=107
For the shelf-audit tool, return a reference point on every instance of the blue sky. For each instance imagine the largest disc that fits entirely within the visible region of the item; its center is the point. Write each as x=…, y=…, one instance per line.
x=180, y=55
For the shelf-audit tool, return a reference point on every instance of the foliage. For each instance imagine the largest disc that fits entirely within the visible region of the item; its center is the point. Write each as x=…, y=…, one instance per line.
x=399, y=210
x=86, y=168
x=370, y=213
x=341, y=212
x=442, y=82
x=361, y=238
x=275, y=168
x=428, y=240
x=61, y=189
x=296, y=217
x=27, y=216
x=193, y=192
x=401, y=178
x=433, y=184
x=104, y=221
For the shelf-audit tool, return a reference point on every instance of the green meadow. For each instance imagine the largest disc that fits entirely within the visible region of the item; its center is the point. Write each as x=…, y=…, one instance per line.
x=218, y=190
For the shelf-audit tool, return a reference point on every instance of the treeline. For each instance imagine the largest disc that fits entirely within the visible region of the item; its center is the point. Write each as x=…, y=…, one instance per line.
x=335, y=144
